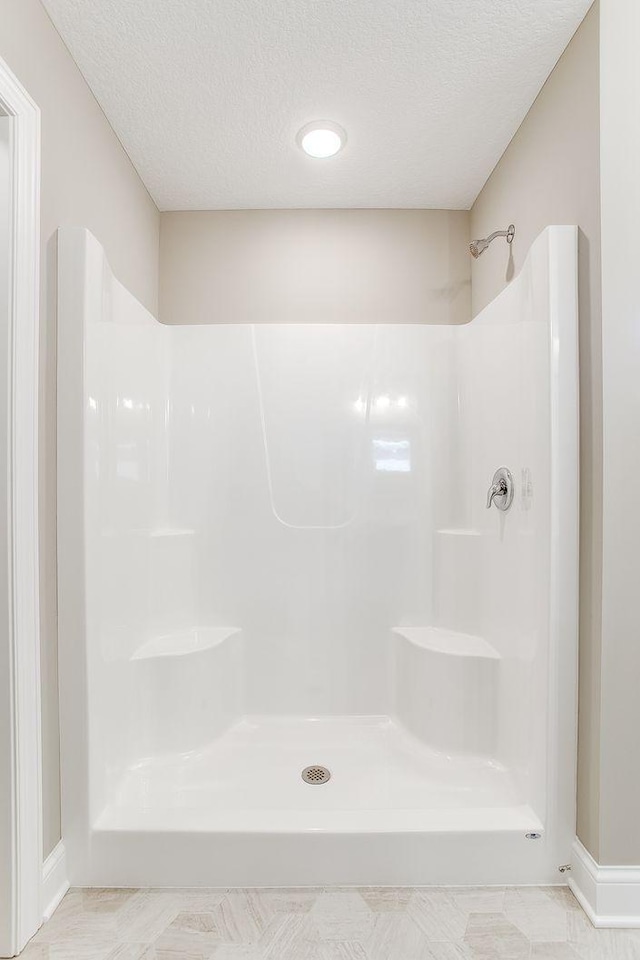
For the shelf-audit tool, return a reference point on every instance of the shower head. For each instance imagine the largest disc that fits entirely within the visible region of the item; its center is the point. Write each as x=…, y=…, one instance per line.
x=478, y=247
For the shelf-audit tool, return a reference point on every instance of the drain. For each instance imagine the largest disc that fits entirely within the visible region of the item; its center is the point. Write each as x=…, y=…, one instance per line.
x=316, y=774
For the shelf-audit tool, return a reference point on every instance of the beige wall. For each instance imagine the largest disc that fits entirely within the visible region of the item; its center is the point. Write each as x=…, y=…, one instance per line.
x=87, y=180
x=550, y=174
x=253, y=266
x=620, y=710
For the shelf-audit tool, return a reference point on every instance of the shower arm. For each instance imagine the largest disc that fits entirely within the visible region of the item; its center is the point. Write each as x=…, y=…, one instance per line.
x=477, y=247
x=501, y=233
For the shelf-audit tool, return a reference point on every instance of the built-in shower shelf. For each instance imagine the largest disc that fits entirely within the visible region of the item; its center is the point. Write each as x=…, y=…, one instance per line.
x=184, y=642
x=439, y=640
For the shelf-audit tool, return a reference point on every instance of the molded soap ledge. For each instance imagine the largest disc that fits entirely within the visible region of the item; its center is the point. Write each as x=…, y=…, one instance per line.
x=439, y=640
x=184, y=642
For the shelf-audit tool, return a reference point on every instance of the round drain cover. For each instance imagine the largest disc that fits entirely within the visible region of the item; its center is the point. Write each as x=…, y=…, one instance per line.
x=316, y=774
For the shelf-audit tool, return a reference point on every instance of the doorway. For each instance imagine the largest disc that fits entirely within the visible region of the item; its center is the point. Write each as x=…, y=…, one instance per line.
x=20, y=799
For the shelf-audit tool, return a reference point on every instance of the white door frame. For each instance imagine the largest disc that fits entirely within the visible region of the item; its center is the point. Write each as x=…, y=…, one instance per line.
x=20, y=775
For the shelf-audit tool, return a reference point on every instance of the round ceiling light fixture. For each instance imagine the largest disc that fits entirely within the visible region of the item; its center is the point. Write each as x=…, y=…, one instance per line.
x=321, y=139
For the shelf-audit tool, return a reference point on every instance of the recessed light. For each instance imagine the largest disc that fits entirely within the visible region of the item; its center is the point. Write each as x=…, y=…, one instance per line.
x=321, y=139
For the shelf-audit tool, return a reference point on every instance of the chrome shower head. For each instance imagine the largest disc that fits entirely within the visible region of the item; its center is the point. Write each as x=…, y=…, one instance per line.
x=478, y=247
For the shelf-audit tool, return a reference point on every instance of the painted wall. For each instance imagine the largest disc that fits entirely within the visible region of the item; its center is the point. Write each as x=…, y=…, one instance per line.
x=314, y=266
x=620, y=706
x=550, y=174
x=88, y=180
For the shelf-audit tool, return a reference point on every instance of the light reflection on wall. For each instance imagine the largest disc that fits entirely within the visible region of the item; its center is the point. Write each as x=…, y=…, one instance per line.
x=382, y=402
x=392, y=456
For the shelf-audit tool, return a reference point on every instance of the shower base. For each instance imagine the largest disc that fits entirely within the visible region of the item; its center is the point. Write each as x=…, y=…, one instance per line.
x=237, y=812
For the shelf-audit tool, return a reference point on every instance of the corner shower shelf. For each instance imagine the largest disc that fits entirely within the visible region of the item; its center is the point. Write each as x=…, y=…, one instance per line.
x=450, y=642
x=184, y=642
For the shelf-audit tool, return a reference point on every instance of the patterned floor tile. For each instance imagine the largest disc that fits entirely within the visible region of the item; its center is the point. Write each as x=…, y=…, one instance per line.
x=385, y=899
x=396, y=935
x=368, y=923
x=437, y=914
x=478, y=899
x=448, y=951
x=243, y=916
x=490, y=936
x=287, y=938
x=98, y=900
x=536, y=914
x=343, y=915
x=292, y=899
x=553, y=951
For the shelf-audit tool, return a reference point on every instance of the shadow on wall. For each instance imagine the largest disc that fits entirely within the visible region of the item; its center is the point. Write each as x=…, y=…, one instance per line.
x=511, y=265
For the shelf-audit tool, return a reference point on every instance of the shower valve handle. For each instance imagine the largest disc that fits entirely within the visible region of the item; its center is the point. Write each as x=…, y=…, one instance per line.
x=500, y=492
x=496, y=490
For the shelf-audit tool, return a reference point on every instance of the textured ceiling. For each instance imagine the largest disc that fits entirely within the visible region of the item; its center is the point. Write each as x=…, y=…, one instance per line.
x=208, y=95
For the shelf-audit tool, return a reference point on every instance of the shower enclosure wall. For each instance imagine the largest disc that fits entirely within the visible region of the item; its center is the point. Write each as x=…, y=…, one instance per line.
x=275, y=552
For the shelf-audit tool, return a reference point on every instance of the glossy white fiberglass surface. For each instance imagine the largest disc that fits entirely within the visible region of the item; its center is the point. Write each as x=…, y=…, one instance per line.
x=275, y=552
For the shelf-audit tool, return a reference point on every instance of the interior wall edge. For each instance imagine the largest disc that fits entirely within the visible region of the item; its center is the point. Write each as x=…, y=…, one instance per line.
x=471, y=205
x=620, y=709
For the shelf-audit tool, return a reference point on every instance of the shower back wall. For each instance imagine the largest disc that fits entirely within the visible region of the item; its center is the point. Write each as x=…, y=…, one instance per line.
x=315, y=266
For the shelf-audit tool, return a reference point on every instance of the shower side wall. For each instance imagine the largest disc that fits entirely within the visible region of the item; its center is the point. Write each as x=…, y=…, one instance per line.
x=504, y=370
x=517, y=406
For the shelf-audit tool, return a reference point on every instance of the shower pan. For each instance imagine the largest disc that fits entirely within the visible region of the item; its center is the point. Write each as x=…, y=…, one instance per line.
x=295, y=645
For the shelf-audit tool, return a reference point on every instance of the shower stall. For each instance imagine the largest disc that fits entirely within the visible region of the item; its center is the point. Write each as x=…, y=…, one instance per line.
x=275, y=553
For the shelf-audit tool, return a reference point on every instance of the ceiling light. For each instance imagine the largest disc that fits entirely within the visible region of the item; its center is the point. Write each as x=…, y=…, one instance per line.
x=321, y=139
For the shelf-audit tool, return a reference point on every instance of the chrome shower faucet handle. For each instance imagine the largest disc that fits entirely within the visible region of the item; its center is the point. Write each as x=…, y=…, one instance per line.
x=501, y=491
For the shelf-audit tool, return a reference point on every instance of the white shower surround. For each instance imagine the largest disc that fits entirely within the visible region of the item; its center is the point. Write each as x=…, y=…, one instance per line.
x=274, y=552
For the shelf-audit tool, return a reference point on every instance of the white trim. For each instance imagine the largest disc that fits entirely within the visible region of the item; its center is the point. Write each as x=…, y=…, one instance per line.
x=562, y=722
x=610, y=896
x=54, y=880
x=22, y=630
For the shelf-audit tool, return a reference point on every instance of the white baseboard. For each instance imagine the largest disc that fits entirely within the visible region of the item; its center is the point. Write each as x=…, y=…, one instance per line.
x=54, y=880
x=610, y=896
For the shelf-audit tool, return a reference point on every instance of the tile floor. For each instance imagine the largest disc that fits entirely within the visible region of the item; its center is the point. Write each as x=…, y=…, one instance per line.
x=370, y=923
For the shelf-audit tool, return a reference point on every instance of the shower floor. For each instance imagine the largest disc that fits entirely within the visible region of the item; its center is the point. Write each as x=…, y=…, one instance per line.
x=382, y=778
